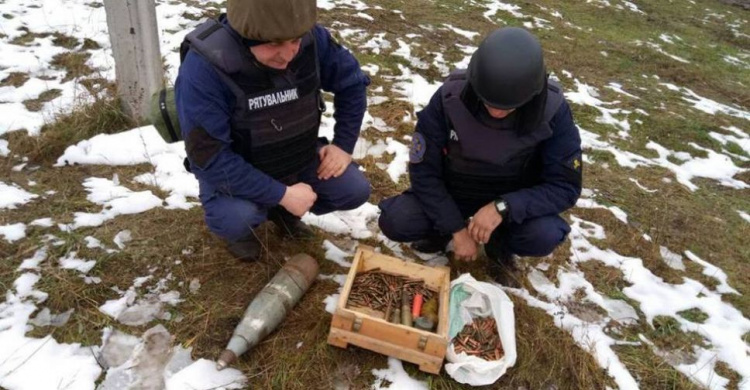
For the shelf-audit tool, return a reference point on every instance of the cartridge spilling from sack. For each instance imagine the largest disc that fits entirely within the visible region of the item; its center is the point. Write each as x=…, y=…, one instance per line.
x=270, y=306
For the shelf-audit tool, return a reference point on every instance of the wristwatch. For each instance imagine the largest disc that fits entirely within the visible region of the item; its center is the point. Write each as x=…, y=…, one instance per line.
x=502, y=207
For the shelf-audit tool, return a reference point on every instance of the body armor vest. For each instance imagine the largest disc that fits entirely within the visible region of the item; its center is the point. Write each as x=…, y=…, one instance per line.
x=275, y=120
x=481, y=162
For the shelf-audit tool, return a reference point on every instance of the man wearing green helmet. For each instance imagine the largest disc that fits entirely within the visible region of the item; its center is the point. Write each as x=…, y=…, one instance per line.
x=249, y=103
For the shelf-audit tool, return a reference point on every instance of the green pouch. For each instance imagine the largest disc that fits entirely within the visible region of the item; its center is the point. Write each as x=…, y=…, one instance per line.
x=163, y=115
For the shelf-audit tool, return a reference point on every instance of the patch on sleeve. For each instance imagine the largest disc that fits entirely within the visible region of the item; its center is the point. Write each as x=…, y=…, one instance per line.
x=201, y=147
x=418, y=148
x=576, y=163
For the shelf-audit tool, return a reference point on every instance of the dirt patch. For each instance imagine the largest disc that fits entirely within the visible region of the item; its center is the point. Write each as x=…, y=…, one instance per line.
x=586, y=311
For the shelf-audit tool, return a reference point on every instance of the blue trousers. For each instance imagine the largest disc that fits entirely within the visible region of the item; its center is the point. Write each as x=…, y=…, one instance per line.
x=233, y=218
x=403, y=219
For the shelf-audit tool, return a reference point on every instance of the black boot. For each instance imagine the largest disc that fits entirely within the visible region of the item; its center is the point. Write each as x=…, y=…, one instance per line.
x=501, y=265
x=288, y=224
x=432, y=244
x=245, y=249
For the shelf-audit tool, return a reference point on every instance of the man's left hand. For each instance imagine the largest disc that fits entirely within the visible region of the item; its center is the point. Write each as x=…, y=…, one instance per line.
x=484, y=222
x=333, y=162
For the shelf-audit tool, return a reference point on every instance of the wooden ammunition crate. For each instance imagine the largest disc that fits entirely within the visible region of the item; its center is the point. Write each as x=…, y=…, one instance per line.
x=353, y=326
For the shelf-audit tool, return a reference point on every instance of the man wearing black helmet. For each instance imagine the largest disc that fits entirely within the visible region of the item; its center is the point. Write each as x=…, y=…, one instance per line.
x=494, y=160
x=249, y=103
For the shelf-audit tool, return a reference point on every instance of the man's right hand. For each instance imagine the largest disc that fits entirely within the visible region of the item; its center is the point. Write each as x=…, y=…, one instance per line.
x=298, y=199
x=464, y=247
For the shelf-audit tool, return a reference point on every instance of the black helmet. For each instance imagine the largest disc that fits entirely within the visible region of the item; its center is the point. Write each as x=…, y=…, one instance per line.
x=507, y=70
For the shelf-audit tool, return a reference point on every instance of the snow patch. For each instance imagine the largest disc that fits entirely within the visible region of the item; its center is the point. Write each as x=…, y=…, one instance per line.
x=116, y=199
x=336, y=255
x=396, y=378
x=122, y=238
x=588, y=96
x=353, y=223
x=716, y=166
x=14, y=232
x=42, y=222
x=71, y=262
x=12, y=196
x=4, y=151
x=713, y=271
x=33, y=262
x=671, y=259
x=398, y=166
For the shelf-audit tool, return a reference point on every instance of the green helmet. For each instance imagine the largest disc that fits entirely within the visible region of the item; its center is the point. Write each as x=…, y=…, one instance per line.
x=272, y=20
x=507, y=70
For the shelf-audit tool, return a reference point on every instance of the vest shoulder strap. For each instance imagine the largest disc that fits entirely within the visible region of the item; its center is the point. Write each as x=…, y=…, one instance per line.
x=451, y=91
x=555, y=99
x=456, y=74
x=453, y=85
x=214, y=43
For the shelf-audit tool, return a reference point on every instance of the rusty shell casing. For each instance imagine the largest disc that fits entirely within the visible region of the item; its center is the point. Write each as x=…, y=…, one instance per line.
x=271, y=305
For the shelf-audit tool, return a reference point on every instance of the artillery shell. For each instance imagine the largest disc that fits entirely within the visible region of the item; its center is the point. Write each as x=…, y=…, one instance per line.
x=396, y=316
x=405, y=309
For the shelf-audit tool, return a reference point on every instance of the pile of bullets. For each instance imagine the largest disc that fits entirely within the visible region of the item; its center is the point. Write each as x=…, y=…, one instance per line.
x=400, y=299
x=480, y=338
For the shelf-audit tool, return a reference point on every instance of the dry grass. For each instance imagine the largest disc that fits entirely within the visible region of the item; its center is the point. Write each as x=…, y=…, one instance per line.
x=37, y=104
x=15, y=79
x=74, y=62
x=102, y=117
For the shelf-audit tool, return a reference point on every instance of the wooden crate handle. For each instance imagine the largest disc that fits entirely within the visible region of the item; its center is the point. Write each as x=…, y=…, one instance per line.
x=357, y=324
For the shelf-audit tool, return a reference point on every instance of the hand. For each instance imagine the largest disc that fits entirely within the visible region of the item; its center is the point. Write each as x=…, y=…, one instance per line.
x=484, y=222
x=464, y=247
x=298, y=199
x=333, y=162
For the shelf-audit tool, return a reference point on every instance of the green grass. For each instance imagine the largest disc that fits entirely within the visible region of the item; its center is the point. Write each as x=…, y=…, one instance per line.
x=695, y=315
x=667, y=334
x=733, y=147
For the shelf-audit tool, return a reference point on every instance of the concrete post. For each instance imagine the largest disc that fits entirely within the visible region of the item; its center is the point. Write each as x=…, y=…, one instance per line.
x=134, y=35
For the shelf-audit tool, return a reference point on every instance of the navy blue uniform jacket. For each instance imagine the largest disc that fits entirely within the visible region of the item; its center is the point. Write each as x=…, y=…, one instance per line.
x=561, y=173
x=203, y=100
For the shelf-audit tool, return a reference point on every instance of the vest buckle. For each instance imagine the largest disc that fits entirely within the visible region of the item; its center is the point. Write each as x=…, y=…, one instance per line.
x=276, y=126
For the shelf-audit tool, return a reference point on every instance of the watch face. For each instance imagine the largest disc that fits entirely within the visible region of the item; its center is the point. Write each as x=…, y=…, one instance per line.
x=500, y=205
